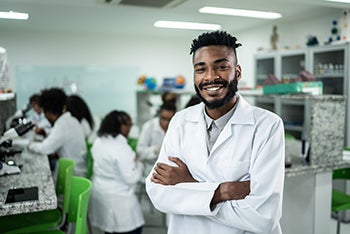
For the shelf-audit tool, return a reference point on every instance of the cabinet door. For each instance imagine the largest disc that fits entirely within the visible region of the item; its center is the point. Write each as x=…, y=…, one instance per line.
x=329, y=65
x=292, y=64
x=264, y=66
x=292, y=111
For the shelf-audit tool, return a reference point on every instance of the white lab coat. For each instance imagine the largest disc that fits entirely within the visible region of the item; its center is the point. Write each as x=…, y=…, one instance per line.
x=250, y=147
x=66, y=138
x=40, y=121
x=113, y=205
x=150, y=139
x=86, y=128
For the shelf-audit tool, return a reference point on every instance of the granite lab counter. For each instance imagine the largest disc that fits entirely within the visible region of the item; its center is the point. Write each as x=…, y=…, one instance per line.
x=308, y=182
x=35, y=173
x=307, y=197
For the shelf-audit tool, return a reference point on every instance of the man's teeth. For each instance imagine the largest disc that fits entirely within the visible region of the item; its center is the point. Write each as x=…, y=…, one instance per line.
x=213, y=88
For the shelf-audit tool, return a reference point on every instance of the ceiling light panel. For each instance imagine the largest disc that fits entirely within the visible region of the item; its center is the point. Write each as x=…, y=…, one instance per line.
x=340, y=1
x=240, y=12
x=186, y=25
x=13, y=15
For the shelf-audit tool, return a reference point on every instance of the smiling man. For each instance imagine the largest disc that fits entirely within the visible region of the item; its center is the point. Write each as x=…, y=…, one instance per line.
x=221, y=165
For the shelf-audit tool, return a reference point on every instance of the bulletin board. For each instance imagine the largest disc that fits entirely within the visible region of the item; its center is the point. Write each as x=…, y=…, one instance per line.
x=103, y=88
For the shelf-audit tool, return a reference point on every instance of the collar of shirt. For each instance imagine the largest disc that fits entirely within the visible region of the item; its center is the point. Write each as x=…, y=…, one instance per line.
x=221, y=122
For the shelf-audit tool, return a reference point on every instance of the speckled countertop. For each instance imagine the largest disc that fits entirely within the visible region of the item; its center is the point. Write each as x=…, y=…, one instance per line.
x=35, y=171
x=300, y=167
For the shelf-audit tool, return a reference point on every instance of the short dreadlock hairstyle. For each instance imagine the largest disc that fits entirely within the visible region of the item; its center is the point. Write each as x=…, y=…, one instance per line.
x=220, y=38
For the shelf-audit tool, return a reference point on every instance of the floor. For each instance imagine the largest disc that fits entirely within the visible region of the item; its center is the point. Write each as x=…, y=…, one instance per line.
x=155, y=221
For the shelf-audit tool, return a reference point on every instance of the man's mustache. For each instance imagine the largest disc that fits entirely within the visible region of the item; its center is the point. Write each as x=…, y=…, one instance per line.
x=218, y=81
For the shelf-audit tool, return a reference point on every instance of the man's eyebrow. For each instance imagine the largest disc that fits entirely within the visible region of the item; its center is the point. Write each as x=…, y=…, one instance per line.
x=221, y=60
x=216, y=61
x=199, y=64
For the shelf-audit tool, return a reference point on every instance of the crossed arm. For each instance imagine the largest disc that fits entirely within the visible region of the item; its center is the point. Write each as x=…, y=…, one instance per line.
x=171, y=175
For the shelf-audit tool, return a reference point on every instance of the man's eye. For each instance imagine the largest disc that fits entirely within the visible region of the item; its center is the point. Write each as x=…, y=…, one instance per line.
x=222, y=67
x=199, y=70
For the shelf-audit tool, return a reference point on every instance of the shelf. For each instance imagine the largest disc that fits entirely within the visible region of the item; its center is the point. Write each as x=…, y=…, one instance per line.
x=291, y=127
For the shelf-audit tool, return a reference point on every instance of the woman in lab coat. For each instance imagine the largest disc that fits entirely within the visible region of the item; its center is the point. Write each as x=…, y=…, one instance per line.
x=80, y=110
x=114, y=207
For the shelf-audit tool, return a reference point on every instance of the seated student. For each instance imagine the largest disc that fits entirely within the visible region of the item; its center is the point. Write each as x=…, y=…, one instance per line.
x=42, y=125
x=80, y=110
x=66, y=138
x=114, y=207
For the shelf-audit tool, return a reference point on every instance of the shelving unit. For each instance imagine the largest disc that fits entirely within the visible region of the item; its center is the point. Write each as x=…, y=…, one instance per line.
x=307, y=118
x=329, y=64
x=284, y=65
x=294, y=112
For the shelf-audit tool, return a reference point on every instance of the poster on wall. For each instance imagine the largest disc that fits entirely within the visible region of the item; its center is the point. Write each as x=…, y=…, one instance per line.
x=104, y=88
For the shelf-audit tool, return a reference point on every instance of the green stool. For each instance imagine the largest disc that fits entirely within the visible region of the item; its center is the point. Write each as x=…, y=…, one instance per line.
x=340, y=200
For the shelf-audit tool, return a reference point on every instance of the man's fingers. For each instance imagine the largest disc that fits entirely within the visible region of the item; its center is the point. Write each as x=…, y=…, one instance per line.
x=156, y=179
x=177, y=161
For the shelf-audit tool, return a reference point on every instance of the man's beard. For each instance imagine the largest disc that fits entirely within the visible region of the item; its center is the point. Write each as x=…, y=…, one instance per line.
x=232, y=89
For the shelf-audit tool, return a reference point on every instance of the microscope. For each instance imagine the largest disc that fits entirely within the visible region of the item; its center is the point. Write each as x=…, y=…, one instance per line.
x=18, y=117
x=6, y=149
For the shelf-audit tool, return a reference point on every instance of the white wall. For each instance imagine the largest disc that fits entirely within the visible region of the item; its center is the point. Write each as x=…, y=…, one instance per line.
x=158, y=57
x=291, y=34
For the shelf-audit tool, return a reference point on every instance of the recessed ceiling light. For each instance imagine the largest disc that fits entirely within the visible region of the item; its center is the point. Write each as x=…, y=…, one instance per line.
x=341, y=1
x=240, y=12
x=13, y=15
x=186, y=25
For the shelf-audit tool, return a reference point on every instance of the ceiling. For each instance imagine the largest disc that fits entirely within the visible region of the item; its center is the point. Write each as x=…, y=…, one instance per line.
x=99, y=16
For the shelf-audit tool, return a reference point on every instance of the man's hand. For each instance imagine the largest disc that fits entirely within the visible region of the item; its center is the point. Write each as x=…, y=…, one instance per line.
x=171, y=175
x=231, y=191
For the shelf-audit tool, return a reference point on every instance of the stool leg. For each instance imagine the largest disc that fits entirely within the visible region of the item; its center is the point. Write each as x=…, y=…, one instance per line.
x=338, y=222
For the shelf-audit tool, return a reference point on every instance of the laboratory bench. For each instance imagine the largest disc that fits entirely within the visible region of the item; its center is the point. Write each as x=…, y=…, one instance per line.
x=35, y=172
x=307, y=196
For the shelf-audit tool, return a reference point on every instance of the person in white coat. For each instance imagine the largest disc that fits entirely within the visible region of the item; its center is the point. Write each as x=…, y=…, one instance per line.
x=66, y=138
x=221, y=165
x=80, y=110
x=42, y=125
x=152, y=134
x=113, y=205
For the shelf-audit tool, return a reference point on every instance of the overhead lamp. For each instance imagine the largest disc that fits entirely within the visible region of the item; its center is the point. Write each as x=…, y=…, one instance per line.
x=240, y=12
x=13, y=15
x=340, y=1
x=186, y=25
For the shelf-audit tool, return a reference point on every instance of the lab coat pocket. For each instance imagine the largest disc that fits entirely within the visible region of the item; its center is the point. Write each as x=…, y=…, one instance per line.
x=234, y=170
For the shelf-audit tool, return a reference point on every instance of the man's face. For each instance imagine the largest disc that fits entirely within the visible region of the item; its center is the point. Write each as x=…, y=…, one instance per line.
x=164, y=118
x=215, y=75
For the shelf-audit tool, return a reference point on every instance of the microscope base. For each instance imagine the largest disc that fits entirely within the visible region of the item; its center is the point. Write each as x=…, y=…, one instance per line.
x=8, y=170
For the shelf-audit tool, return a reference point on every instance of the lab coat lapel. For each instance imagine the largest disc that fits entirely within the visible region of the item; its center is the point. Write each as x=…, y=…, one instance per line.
x=196, y=115
x=243, y=115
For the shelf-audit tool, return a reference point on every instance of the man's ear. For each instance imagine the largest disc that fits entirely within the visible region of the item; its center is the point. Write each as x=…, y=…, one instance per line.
x=238, y=72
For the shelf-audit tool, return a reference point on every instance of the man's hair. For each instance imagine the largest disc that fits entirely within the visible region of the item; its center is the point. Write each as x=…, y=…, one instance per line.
x=220, y=38
x=112, y=122
x=53, y=100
